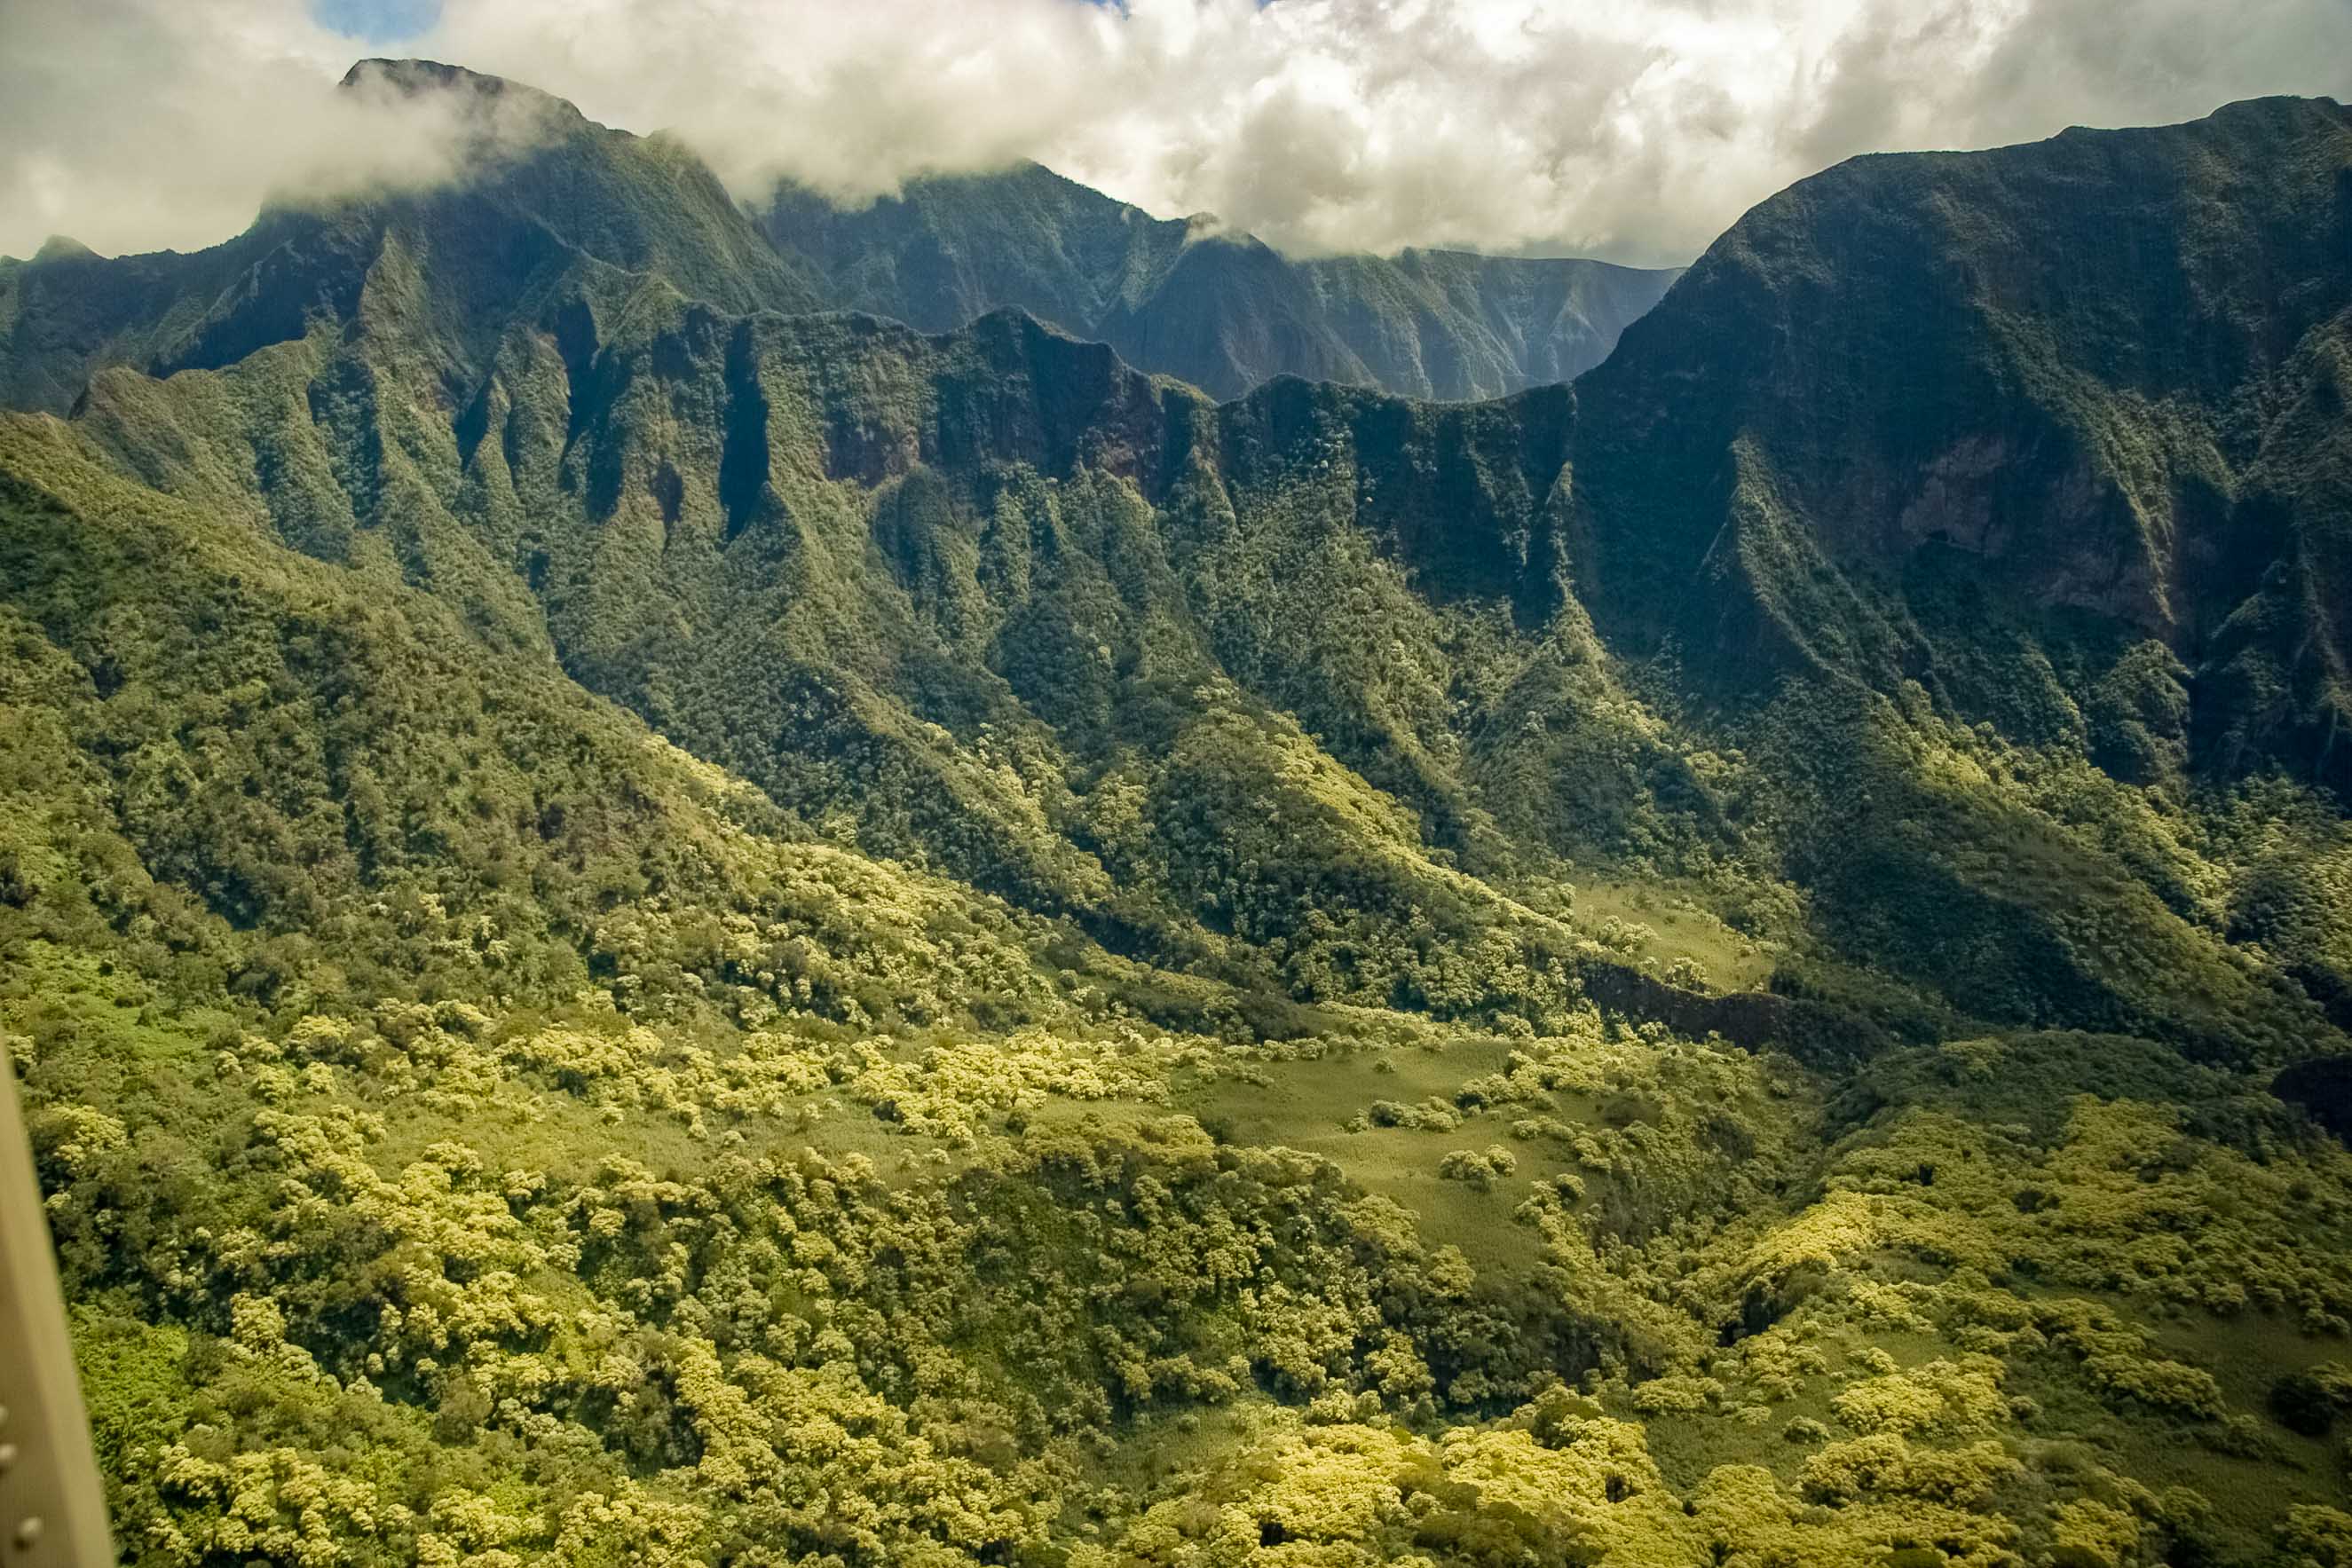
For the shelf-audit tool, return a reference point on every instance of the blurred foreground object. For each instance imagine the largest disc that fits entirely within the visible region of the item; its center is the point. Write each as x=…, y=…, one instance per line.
x=52, y=1507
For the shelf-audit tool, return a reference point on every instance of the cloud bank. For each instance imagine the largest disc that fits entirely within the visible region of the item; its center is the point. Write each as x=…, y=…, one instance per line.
x=143, y=124
x=1635, y=130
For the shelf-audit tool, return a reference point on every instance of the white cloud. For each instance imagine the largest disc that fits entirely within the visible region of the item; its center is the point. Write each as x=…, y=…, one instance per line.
x=143, y=124
x=1634, y=129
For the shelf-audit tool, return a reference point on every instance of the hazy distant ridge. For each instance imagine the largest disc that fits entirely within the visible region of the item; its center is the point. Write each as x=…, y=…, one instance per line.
x=1189, y=298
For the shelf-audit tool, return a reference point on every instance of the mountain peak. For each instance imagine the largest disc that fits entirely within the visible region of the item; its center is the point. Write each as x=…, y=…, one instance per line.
x=415, y=78
x=2280, y=106
x=63, y=247
x=2277, y=112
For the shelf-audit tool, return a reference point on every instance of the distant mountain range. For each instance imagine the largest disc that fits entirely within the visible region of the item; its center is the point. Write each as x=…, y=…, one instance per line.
x=1185, y=297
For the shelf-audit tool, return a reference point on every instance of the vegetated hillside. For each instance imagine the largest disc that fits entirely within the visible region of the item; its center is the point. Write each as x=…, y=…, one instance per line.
x=643, y=929
x=1187, y=297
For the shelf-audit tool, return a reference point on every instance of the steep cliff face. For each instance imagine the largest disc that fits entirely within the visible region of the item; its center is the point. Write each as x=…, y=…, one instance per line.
x=2066, y=391
x=968, y=593
x=1189, y=298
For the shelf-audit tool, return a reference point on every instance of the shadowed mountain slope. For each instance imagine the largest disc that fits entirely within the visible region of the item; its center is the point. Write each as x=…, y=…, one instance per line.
x=2055, y=430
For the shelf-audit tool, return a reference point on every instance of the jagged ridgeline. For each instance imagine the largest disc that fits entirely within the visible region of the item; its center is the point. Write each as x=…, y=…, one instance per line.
x=1187, y=297
x=648, y=924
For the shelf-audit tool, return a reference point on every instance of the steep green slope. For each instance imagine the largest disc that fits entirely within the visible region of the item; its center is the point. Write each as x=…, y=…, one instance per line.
x=911, y=588
x=994, y=602
x=1940, y=416
x=1188, y=298
x=243, y=769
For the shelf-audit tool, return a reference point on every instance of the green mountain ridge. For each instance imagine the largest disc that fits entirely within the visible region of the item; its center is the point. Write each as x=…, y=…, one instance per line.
x=647, y=924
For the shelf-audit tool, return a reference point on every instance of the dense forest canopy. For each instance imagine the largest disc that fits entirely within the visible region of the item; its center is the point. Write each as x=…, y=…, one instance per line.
x=647, y=923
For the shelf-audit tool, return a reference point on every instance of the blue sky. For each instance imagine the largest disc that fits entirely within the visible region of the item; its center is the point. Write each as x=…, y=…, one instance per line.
x=376, y=21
